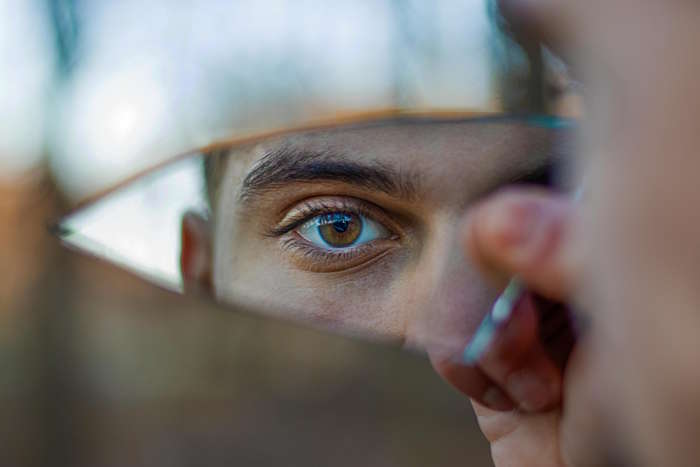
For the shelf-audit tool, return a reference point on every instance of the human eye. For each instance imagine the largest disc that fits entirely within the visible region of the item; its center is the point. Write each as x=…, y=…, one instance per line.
x=339, y=230
x=333, y=233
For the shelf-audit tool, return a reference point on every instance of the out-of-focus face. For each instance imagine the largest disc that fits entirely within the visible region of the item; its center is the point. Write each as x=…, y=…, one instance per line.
x=354, y=228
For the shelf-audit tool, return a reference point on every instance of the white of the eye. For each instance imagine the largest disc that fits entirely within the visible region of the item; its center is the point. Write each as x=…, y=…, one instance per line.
x=370, y=230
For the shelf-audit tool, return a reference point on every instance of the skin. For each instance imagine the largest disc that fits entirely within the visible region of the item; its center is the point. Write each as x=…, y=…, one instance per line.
x=390, y=297
x=625, y=256
x=388, y=291
x=525, y=232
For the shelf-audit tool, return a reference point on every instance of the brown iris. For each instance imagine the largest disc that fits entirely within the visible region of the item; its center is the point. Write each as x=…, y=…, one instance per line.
x=339, y=229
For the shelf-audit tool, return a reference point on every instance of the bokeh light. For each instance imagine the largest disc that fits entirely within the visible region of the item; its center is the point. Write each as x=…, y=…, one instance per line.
x=26, y=65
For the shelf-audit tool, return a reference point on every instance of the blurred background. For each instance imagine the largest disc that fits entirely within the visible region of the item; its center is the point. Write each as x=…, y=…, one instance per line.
x=101, y=369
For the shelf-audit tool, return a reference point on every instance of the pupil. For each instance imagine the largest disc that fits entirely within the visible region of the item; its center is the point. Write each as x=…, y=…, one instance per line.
x=340, y=226
x=340, y=230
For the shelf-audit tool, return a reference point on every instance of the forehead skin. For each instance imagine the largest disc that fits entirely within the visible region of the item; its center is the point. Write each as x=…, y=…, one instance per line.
x=443, y=157
x=452, y=164
x=446, y=159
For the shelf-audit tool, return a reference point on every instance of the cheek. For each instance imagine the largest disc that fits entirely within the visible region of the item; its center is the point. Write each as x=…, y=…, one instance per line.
x=431, y=296
x=449, y=296
x=368, y=301
x=371, y=301
x=448, y=306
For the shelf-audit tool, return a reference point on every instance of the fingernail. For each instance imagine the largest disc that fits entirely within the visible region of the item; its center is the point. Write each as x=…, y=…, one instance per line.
x=496, y=399
x=529, y=390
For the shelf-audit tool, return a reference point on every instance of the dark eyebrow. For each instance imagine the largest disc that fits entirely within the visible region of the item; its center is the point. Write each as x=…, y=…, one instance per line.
x=287, y=164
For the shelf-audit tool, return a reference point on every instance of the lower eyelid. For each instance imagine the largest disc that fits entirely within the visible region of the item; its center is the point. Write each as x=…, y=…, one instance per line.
x=296, y=240
x=316, y=259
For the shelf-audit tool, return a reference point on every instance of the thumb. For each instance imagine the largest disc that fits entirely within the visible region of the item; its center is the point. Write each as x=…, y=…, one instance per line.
x=524, y=232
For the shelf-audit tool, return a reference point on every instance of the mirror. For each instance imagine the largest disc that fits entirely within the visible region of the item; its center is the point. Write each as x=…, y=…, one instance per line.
x=326, y=209
x=350, y=227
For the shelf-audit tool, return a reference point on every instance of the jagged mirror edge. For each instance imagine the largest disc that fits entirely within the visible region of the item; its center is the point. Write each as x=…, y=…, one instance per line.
x=137, y=226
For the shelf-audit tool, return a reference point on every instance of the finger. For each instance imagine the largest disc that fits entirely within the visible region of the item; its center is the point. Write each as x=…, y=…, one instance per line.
x=517, y=361
x=521, y=439
x=522, y=232
x=494, y=424
x=472, y=382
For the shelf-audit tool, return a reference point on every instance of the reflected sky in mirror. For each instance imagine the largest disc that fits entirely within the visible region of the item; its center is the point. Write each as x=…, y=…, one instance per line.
x=148, y=80
x=138, y=226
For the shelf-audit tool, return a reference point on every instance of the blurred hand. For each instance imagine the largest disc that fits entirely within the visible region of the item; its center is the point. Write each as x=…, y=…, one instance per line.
x=517, y=385
x=639, y=64
x=639, y=230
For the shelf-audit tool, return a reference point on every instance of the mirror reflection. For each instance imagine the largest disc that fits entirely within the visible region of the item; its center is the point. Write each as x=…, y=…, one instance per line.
x=351, y=227
x=324, y=207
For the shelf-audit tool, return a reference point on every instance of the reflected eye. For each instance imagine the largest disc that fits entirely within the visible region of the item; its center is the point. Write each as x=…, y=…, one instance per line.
x=334, y=233
x=339, y=230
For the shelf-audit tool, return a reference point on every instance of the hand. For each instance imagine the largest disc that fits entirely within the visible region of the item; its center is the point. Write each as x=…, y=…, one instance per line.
x=639, y=137
x=518, y=386
x=638, y=146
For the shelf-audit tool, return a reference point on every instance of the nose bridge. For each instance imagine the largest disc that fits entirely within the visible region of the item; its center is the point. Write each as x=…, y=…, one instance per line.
x=454, y=296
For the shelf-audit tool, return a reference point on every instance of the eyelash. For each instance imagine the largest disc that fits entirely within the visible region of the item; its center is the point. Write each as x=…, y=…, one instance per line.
x=320, y=260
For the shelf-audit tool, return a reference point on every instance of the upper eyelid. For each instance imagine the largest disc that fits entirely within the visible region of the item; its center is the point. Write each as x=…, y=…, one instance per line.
x=352, y=205
x=320, y=204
